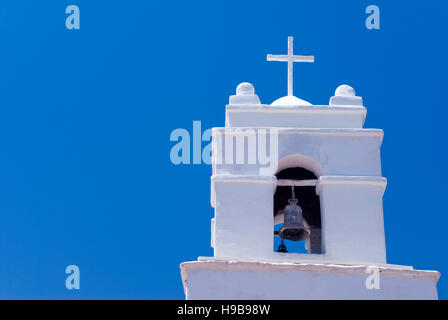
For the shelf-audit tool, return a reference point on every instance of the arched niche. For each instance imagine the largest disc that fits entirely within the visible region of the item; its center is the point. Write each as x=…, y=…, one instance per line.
x=302, y=173
x=300, y=161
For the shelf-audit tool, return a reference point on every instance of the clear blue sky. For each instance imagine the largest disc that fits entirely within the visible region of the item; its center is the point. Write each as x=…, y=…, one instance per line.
x=86, y=115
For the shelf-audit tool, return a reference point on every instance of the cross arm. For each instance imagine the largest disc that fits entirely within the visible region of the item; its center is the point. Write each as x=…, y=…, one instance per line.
x=303, y=58
x=277, y=57
x=280, y=57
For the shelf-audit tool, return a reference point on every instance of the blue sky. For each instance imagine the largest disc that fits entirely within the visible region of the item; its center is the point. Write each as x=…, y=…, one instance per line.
x=86, y=115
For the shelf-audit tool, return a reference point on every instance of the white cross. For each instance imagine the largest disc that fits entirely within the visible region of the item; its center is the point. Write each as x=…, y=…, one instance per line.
x=290, y=58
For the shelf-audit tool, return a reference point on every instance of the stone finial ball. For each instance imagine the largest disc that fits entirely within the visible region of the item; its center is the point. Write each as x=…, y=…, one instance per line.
x=345, y=91
x=245, y=88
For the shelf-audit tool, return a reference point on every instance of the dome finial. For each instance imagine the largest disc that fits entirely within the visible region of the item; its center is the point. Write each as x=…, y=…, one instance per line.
x=245, y=94
x=345, y=96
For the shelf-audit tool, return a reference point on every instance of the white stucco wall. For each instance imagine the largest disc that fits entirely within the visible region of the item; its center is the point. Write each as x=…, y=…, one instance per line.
x=295, y=117
x=330, y=142
x=351, y=213
x=244, y=220
x=352, y=218
x=351, y=152
x=252, y=280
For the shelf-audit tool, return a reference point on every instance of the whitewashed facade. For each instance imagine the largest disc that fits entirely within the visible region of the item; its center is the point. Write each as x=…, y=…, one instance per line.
x=331, y=143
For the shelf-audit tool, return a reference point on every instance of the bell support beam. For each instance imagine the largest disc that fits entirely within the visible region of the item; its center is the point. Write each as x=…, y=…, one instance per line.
x=296, y=183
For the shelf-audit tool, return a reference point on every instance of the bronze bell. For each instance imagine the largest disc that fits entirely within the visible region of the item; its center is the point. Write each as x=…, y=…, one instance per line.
x=293, y=227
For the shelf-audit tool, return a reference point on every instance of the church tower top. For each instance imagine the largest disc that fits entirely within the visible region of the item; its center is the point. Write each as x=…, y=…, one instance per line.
x=345, y=110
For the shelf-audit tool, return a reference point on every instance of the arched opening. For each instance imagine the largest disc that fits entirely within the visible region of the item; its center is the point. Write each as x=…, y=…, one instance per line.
x=303, y=182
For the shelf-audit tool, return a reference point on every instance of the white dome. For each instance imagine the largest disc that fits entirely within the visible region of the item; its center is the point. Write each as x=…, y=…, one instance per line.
x=245, y=88
x=345, y=91
x=290, y=101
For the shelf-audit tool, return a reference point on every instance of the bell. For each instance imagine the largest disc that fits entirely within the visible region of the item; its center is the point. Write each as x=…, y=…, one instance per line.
x=282, y=247
x=293, y=227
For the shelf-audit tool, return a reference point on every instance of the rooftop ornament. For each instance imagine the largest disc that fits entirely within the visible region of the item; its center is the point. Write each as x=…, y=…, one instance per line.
x=290, y=58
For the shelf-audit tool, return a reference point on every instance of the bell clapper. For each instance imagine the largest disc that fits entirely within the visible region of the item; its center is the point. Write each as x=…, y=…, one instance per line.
x=282, y=247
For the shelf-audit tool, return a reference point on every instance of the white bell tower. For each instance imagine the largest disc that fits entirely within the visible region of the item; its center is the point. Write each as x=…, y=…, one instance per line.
x=322, y=157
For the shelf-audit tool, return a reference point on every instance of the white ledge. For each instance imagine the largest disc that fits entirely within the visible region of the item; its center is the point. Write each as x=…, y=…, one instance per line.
x=351, y=180
x=238, y=178
x=305, y=131
x=298, y=109
x=298, y=116
x=402, y=271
